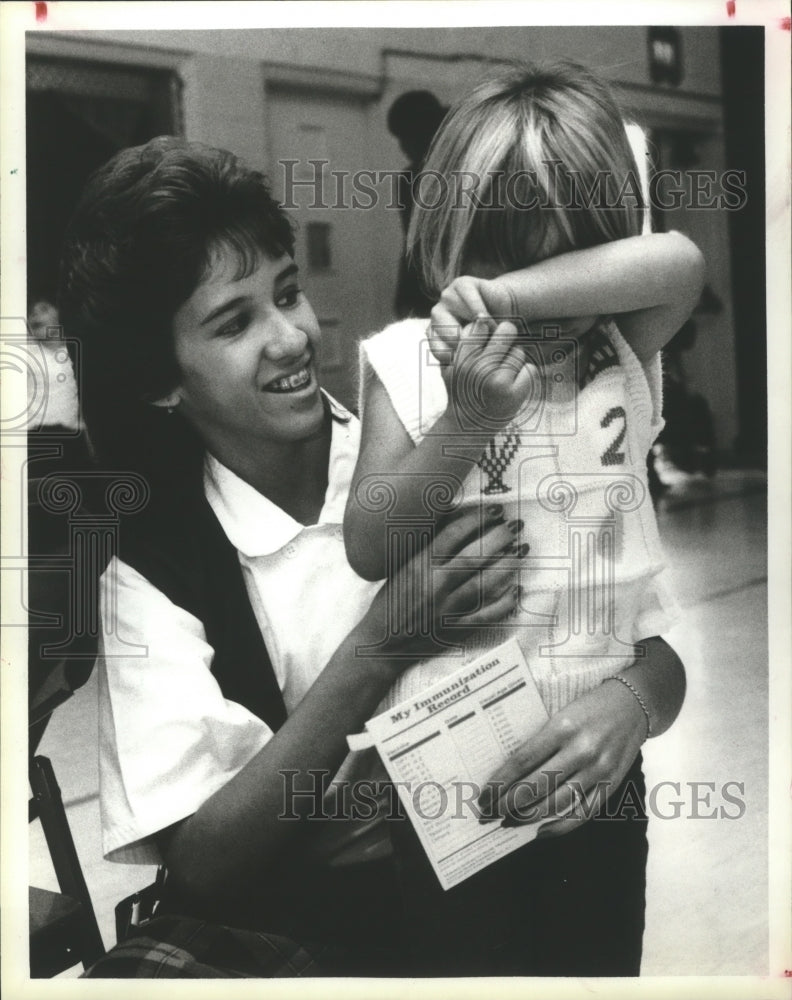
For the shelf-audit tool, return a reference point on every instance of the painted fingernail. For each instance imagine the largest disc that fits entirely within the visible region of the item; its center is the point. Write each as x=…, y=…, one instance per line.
x=484, y=802
x=516, y=526
x=494, y=510
x=523, y=550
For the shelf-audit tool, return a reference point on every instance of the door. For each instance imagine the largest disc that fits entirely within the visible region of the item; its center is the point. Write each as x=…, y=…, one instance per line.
x=335, y=242
x=79, y=113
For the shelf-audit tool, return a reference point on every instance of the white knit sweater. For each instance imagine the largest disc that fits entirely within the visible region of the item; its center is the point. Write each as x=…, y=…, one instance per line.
x=572, y=465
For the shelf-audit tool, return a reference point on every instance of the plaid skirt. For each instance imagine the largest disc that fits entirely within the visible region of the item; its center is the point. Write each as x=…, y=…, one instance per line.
x=174, y=947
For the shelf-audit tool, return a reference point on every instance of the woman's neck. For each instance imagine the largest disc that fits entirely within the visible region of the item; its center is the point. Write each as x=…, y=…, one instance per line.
x=291, y=474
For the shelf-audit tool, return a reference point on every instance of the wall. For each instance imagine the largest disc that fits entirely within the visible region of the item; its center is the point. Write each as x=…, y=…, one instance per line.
x=618, y=53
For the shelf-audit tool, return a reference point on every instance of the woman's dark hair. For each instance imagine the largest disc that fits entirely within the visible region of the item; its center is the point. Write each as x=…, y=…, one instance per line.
x=140, y=241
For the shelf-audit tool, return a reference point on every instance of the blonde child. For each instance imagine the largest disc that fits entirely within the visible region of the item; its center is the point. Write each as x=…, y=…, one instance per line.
x=537, y=388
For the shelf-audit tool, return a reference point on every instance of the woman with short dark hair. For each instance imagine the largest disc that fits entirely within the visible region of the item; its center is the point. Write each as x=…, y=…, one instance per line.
x=239, y=648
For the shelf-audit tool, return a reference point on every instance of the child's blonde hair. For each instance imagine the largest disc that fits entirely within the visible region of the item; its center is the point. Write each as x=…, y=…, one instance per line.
x=535, y=155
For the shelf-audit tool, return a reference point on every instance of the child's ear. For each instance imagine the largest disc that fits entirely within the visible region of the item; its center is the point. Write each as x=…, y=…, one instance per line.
x=169, y=402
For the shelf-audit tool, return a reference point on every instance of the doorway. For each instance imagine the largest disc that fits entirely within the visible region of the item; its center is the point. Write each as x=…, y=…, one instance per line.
x=335, y=243
x=78, y=114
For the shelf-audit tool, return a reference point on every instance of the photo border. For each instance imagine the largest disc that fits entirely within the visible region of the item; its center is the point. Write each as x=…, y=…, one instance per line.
x=16, y=18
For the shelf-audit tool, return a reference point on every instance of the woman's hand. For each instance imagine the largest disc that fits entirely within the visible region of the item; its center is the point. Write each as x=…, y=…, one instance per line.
x=571, y=765
x=435, y=600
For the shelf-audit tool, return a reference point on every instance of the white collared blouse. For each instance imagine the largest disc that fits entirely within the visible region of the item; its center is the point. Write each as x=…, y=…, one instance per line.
x=168, y=739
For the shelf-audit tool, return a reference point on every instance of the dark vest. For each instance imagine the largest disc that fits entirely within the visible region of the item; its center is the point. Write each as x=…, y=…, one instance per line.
x=186, y=555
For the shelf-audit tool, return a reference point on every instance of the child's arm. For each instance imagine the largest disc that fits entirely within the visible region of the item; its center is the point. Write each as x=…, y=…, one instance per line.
x=652, y=283
x=388, y=456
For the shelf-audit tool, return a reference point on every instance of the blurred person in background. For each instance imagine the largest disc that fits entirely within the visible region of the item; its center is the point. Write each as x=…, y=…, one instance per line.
x=413, y=119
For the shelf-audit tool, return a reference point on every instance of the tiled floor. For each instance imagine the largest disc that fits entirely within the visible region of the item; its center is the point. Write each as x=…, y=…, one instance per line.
x=707, y=896
x=707, y=900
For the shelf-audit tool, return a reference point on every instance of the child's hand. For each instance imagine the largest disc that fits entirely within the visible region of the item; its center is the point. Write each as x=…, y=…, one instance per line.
x=465, y=300
x=488, y=376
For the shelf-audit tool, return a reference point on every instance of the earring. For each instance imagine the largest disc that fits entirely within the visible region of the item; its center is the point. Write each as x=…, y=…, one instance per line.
x=170, y=410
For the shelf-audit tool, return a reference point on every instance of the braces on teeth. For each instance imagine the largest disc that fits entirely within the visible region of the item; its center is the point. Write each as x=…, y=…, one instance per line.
x=292, y=381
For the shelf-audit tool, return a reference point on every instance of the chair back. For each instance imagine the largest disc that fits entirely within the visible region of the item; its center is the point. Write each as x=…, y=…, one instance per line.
x=63, y=634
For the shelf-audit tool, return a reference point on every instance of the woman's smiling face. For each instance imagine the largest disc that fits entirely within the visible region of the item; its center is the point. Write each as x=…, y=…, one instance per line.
x=246, y=350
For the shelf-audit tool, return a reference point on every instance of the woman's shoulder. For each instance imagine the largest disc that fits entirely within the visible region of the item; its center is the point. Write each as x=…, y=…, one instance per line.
x=142, y=597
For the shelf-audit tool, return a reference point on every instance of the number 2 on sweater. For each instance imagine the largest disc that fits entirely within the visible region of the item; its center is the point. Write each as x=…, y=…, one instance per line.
x=612, y=456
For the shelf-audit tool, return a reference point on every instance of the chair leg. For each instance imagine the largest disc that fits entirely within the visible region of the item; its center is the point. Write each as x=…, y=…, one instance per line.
x=65, y=861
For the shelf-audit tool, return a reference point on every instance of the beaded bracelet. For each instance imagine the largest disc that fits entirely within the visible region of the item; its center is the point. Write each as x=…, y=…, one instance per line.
x=636, y=694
